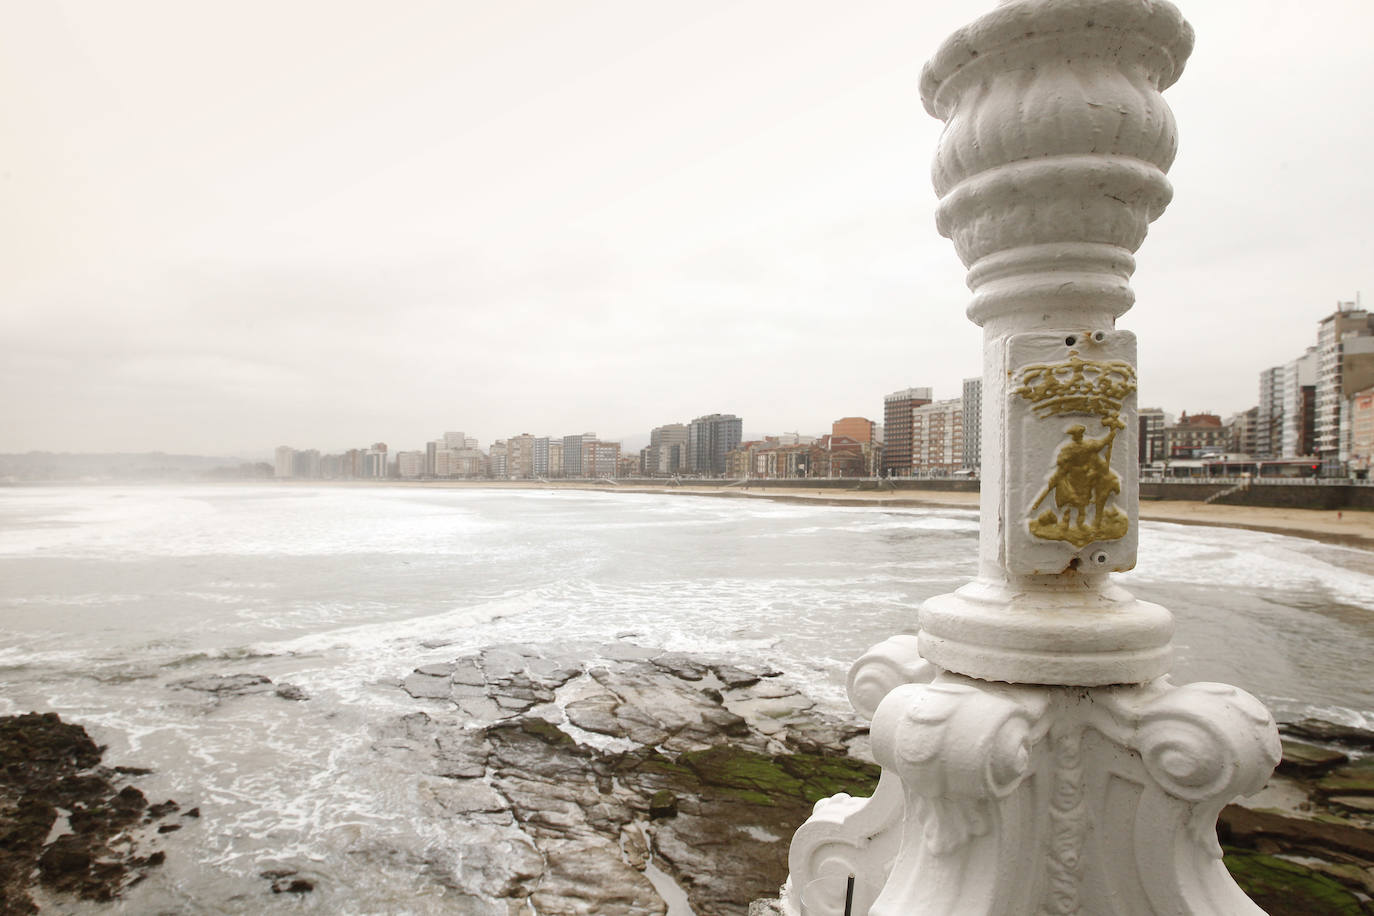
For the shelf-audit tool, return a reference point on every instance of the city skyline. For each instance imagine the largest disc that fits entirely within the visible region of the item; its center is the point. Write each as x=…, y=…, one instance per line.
x=461, y=214
x=632, y=441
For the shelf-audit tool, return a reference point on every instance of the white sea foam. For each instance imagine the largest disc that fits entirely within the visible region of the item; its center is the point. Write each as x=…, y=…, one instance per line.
x=1209, y=556
x=407, y=634
x=343, y=591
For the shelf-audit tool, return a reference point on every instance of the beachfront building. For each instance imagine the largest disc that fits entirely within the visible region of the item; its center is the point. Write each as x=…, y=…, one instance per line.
x=410, y=465
x=788, y=461
x=520, y=457
x=1342, y=337
x=572, y=454
x=375, y=461
x=672, y=441
x=460, y=463
x=937, y=438
x=1362, y=431
x=739, y=461
x=841, y=456
x=973, y=423
x=1297, y=426
x=1285, y=423
x=1269, y=414
x=897, y=408
x=600, y=459
x=1243, y=427
x=666, y=452
x=351, y=464
x=869, y=437
x=1305, y=405
x=282, y=467
x=332, y=467
x=1357, y=374
x=539, y=458
x=497, y=456
x=1196, y=436
x=443, y=463
x=302, y=464
x=860, y=429
x=709, y=439
x=1151, y=422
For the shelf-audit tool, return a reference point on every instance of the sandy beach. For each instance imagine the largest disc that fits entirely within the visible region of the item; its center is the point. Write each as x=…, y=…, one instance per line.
x=1351, y=528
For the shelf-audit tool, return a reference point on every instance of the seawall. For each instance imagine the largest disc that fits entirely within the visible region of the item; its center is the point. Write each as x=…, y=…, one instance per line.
x=1329, y=496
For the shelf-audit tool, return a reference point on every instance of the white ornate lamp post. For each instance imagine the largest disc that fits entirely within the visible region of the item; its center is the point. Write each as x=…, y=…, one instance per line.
x=1035, y=760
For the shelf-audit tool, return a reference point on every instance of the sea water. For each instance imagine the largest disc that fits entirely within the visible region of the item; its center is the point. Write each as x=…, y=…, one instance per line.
x=109, y=595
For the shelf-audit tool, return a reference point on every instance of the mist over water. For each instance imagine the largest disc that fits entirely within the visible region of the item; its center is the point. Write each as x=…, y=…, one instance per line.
x=109, y=595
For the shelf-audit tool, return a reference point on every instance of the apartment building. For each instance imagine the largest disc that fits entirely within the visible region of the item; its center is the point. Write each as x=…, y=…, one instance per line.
x=1243, y=428
x=973, y=423
x=1151, y=422
x=1362, y=431
x=600, y=459
x=520, y=457
x=1197, y=435
x=572, y=455
x=937, y=438
x=859, y=429
x=709, y=439
x=410, y=465
x=897, y=408
x=1345, y=332
x=1269, y=413
x=666, y=453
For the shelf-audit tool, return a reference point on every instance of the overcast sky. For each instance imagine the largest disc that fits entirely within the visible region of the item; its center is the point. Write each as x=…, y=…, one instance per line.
x=233, y=225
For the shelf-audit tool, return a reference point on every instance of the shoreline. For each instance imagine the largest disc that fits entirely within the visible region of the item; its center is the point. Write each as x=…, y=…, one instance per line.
x=1353, y=528
x=1343, y=528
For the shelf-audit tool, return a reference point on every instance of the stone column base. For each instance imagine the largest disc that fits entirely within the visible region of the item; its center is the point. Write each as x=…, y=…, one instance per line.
x=1012, y=799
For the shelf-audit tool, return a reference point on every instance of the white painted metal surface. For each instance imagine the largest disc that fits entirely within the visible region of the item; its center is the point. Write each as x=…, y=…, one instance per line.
x=1035, y=760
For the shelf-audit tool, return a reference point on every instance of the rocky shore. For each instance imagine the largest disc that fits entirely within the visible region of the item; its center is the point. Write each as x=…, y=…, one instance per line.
x=621, y=780
x=68, y=825
x=604, y=779
x=589, y=768
x=1305, y=844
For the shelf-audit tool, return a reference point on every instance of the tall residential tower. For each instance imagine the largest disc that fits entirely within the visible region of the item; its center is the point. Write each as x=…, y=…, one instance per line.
x=897, y=408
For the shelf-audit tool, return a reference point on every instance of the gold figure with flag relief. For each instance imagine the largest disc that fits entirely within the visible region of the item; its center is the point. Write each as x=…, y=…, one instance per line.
x=1082, y=480
x=1083, y=477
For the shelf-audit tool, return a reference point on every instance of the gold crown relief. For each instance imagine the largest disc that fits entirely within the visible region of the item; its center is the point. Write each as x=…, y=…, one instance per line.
x=1078, y=386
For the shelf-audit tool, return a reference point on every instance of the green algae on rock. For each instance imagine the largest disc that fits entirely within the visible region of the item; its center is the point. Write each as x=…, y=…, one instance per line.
x=785, y=778
x=1284, y=888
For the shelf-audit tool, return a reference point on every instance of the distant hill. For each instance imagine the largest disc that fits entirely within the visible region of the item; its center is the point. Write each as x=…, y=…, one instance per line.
x=69, y=467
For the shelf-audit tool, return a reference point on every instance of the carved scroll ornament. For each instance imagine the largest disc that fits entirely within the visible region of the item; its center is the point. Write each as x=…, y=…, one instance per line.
x=1130, y=780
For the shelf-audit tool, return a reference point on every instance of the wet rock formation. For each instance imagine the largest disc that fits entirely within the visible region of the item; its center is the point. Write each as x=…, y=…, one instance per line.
x=77, y=826
x=577, y=773
x=1318, y=857
x=574, y=773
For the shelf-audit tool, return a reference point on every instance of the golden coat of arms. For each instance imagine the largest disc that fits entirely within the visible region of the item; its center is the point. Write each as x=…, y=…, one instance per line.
x=1081, y=482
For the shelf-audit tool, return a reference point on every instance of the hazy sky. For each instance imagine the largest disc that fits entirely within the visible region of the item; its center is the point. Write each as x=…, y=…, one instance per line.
x=232, y=225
